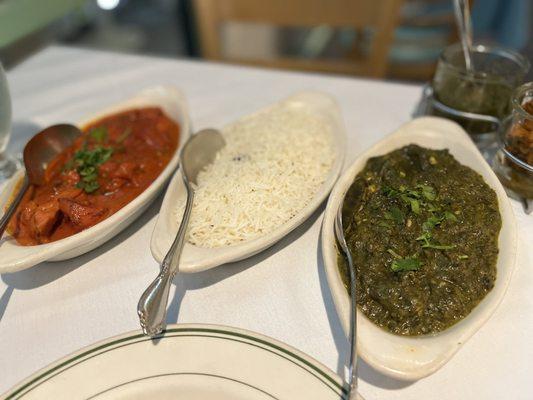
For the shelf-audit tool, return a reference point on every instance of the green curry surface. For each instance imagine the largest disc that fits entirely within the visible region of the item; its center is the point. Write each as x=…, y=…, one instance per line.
x=423, y=231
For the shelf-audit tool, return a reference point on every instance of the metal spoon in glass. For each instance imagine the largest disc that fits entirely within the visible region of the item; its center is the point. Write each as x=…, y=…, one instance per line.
x=199, y=151
x=464, y=24
x=38, y=152
x=352, y=369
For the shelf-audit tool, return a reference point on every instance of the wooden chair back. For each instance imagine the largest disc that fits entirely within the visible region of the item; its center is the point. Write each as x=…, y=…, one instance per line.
x=379, y=15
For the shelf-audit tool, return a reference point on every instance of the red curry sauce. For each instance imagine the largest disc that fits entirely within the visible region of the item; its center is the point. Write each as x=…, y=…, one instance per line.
x=115, y=160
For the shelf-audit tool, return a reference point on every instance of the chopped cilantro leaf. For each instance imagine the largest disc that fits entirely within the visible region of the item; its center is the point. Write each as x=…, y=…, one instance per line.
x=388, y=191
x=405, y=264
x=438, y=246
x=425, y=237
x=432, y=207
x=432, y=222
x=427, y=191
x=450, y=216
x=99, y=134
x=413, y=202
x=86, y=163
x=395, y=214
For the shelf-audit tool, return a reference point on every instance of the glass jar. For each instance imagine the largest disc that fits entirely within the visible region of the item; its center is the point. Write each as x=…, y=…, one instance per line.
x=485, y=92
x=513, y=163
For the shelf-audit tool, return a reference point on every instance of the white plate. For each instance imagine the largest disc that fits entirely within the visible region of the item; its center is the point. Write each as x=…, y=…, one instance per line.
x=14, y=257
x=193, y=362
x=194, y=258
x=412, y=358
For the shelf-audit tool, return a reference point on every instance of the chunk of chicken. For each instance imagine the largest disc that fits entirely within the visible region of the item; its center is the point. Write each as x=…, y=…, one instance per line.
x=122, y=170
x=114, y=184
x=107, y=168
x=26, y=214
x=45, y=217
x=158, y=139
x=21, y=222
x=81, y=215
x=71, y=177
x=118, y=174
x=68, y=192
x=125, y=170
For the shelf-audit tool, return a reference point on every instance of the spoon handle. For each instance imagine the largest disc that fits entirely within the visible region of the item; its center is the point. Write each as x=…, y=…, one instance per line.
x=152, y=307
x=13, y=206
x=464, y=23
x=352, y=367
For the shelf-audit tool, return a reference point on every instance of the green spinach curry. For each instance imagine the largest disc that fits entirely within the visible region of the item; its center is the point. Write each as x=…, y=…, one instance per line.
x=423, y=231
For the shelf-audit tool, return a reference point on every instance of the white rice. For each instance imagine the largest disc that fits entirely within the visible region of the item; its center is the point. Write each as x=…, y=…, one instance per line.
x=271, y=167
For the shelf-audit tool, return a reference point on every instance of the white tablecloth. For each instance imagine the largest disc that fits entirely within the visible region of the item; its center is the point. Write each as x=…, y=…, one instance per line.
x=55, y=308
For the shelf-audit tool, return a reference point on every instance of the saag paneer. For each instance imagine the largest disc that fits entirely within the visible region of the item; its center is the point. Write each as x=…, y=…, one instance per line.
x=423, y=231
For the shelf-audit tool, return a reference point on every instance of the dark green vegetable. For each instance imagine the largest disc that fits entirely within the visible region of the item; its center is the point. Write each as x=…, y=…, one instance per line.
x=423, y=232
x=86, y=163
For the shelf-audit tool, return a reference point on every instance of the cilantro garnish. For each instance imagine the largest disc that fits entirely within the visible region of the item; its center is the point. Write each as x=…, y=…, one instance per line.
x=427, y=191
x=432, y=222
x=450, y=216
x=99, y=134
x=426, y=238
x=405, y=264
x=418, y=199
x=413, y=202
x=395, y=214
x=439, y=246
x=86, y=163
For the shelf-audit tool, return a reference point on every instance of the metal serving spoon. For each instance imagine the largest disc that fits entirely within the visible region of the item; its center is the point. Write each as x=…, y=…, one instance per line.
x=352, y=369
x=199, y=151
x=464, y=23
x=38, y=152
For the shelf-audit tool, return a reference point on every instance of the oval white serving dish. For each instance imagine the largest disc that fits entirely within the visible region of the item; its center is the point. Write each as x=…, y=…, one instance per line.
x=194, y=258
x=412, y=358
x=14, y=257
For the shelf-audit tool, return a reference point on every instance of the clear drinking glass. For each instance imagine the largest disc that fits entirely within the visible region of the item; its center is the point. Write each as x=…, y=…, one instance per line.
x=8, y=165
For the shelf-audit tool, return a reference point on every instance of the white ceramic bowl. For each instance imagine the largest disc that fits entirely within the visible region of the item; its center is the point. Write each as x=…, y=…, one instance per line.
x=412, y=358
x=194, y=258
x=14, y=257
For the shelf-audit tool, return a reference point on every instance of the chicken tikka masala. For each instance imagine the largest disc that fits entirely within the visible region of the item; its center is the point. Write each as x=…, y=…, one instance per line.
x=113, y=162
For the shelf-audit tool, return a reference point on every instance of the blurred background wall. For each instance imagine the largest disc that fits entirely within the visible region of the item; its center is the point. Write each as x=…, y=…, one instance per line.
x=393, y=39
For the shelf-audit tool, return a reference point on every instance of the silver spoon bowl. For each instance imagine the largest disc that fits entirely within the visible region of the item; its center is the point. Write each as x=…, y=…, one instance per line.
x=199, y=151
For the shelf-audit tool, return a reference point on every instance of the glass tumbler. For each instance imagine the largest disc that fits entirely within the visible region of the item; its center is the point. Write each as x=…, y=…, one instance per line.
x=486, y=91
x=8, y=165
x=513, y=163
